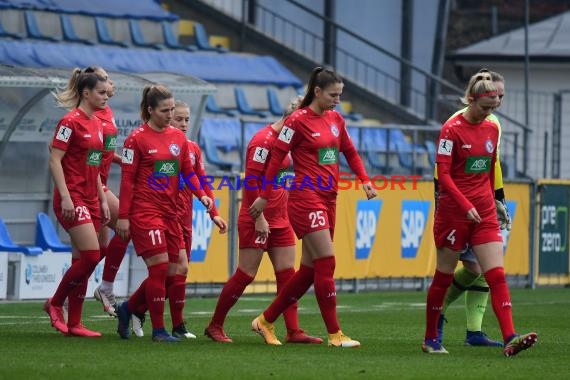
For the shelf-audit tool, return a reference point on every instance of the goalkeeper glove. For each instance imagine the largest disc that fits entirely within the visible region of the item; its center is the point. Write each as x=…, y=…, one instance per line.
x=503, y=216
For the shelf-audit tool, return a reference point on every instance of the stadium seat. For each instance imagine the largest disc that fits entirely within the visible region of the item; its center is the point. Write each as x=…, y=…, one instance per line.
x=243, y=105
x=349, y=116
x=33, y=29
x=212, y=107
x=274, y=106
x=137, y=36
x=373, y=143
x=354, y=133
x=202, y=40
x=220, y=138
x=410, y=157
x=7, y=245
x=431, y=150
x=5, y=33
x=170, y=39
x=103, y=34
x=46, y=235
x=69, y=33
x=250, y=129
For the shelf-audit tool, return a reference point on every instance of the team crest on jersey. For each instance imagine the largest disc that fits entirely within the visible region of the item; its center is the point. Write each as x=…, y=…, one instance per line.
x=174, y=149
x=192, y=158
x=489, y=146
x=334, y=130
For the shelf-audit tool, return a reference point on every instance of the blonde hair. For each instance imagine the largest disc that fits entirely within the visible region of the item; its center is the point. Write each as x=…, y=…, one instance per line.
x=480, y=84
x=181, y=104
x=151, y=96
x=70, y=96
x=292, y=106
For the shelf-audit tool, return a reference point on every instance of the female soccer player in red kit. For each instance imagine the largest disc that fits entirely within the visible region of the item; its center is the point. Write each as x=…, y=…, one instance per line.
x=153, y=157
x=270, y=232
x=79, y=202
x=466, y=212
x=314, y=134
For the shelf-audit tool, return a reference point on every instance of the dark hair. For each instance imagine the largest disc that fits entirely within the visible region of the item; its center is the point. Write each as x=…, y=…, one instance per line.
x=151, y=96
x=495, y=76
x=70, y=97
x=322, y=78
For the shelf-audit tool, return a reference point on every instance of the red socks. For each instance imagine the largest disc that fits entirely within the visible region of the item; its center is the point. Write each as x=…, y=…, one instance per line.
x=176, y=293
x=232, y=291
x=436, y=294
x=155, y=292
x=115, y=254
x=294, y=289
x=79, y=271
x=325, y=291
x=501, y=300
x=290, y=314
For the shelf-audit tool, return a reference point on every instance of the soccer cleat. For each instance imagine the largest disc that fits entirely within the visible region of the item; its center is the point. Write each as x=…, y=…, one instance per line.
x=265, y=329
x=338, y=339
x=56, y=316
x=80, y=330
x=123, y=320
x=433, y=346
x=299, y=336
x=108, y=301
x=440, y=323
x=217, y=334
x=138, y=322
x=479, y=338
x=518, y=343
x=181, y=331
x=160, y=335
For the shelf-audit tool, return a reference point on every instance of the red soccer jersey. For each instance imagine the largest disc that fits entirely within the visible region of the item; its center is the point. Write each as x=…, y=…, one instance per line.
x=257, y=159
x=467, y=153
x=109, y=140
x=315, y=142
x=81, y=138
x=151, y=163
x=184, y=213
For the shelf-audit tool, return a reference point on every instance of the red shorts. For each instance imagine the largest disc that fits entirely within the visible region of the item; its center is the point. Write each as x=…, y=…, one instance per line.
x=85, y=212
x=307, y=217
x=457, y=234
x=278, y=237
x=155, y=235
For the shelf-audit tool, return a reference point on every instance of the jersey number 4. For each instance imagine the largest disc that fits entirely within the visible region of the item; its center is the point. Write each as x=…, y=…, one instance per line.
x=451, y=236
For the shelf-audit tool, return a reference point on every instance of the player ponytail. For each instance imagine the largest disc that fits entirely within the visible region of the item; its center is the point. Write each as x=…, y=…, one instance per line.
x=480, y=85
x=70, y=96
x=320, y=77
x=151, y=96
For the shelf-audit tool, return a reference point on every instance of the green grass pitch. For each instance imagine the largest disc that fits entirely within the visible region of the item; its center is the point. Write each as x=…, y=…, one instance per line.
x=389, y=325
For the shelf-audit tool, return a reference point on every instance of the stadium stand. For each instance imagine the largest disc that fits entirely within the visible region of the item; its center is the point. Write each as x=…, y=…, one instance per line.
x=33, y=29
x=138, y=38
x=170, y=39
x=6, y=243
x=69, y=32
x=5, y=33
x=202, y=40
x=46, y=235
x=221, y=142
x=103, y=34
x=243, y=105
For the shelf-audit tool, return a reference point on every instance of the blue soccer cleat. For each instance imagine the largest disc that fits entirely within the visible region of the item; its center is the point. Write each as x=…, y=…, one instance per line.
x=160, y=335
x=124, y=319
x=479, y=338
x=433, y=346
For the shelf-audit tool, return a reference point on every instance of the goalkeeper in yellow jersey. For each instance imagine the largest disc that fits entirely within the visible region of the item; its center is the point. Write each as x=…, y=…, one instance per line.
x=469, y=279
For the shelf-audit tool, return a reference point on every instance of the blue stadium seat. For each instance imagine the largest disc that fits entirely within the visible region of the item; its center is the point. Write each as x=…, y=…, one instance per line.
x=103, y=34
x=170, y=39
x=137, y=36
x=274, y=106
x=250, y=129
x=202, y=40
x=349, y=116
x=410, y=157
x=46, y=236
x=221, y=136
x=212, y=107
x=354, y=133
x=33, y=29
x=69, y=33
x=7, y=245
x=243, y=105
x=5, y=33
x=431, y=150
x=373, y=143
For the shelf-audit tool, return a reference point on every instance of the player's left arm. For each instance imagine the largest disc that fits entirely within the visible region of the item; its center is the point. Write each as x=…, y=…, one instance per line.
x=500, y=202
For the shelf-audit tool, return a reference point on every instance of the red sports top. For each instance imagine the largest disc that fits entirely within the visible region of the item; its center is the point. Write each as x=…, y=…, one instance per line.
x=465, y=163
x=81, y=138
x=184, y=213
x=315, y=142
x=109, y=140
x=151, y=163
x=257, y=159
